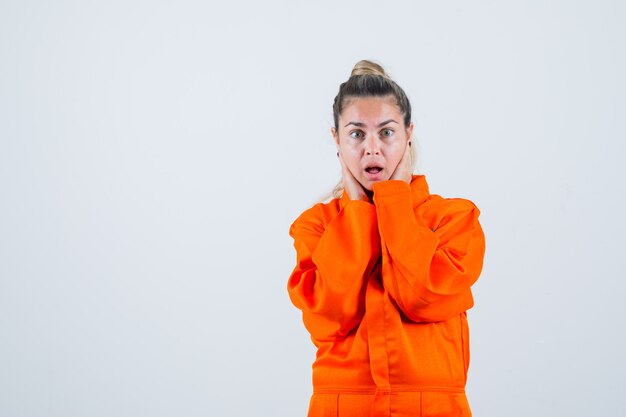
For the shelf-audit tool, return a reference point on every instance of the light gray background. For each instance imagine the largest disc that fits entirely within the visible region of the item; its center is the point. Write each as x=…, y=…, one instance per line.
x=153, y=155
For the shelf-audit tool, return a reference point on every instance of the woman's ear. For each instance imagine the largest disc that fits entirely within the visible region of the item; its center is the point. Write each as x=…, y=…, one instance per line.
x=409, y=132
x=335, y=134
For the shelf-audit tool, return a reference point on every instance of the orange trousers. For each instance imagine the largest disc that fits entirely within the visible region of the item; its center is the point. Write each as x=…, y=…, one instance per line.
x=402, y=404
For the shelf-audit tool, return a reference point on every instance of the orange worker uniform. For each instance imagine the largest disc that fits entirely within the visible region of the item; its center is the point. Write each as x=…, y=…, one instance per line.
x=384, y=288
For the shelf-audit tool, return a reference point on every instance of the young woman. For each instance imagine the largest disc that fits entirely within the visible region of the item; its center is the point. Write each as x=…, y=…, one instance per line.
x=384, y=269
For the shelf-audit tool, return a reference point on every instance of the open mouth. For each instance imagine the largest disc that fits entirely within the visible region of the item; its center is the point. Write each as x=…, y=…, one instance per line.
x=374, y=172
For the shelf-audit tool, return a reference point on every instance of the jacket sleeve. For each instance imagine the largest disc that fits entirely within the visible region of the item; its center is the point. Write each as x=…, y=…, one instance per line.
x=428, y=269
x=333, y=263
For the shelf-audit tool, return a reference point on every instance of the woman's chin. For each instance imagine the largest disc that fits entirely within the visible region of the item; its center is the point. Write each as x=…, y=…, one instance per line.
x=368, y=183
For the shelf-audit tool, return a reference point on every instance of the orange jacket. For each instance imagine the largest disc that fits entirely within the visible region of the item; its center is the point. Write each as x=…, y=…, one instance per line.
x=384, y=290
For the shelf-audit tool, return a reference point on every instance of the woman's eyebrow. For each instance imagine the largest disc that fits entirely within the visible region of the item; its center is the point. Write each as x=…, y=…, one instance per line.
x=360, y=124
x=387, y=121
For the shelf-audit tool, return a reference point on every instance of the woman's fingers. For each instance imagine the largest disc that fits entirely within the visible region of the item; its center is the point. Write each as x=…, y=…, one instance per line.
x=350, y=184
x=403, y=170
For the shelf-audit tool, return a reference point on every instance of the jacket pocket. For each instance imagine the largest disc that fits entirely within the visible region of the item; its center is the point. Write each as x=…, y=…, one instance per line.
x=465, y=348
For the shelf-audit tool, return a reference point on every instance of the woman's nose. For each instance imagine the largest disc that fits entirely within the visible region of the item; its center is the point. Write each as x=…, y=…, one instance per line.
x=371, y=146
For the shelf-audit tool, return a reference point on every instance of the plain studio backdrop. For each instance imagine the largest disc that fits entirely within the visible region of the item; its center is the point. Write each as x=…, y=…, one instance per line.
x=153, y=155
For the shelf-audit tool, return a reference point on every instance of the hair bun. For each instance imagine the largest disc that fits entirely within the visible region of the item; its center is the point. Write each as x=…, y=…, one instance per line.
x=365, y=67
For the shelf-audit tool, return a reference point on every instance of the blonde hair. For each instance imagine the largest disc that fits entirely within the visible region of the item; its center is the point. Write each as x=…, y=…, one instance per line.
x=369, y=79
x=365, y=67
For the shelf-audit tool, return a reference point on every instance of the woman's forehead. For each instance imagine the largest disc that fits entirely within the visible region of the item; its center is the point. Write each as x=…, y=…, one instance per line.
x=371, y=110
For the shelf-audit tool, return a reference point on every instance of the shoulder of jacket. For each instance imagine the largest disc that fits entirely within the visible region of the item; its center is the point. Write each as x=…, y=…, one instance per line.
x=441, y=208
x=315, y=217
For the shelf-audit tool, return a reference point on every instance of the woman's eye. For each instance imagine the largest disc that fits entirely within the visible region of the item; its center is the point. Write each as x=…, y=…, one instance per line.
x=357, y=134
x=387, y=132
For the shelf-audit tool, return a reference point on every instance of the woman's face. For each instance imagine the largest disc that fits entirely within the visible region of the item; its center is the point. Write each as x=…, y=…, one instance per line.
x=372, y=138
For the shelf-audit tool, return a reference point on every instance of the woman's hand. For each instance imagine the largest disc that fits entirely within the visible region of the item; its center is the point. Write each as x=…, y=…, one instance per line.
x=403, y=170
x=350, y=184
